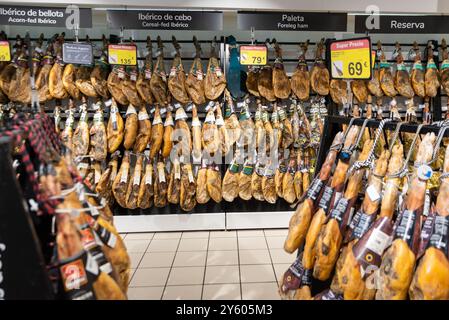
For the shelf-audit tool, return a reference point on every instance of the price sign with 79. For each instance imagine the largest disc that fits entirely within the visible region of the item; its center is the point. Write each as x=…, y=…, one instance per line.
x=253, y=55
x=351, y=59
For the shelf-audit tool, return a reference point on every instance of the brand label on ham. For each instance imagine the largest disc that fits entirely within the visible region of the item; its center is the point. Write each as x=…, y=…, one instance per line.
x=369, y=249
x=315, y=189
x=426, y=233
x=294, y=277
x=329, y=295
x=406, y=226
x=440, y=234
x=360, y=224
x=78, y=275
x=326, y=198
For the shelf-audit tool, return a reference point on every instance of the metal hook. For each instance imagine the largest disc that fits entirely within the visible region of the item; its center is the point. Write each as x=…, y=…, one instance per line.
x=403, y=170
x=349, y=127
x=395, y=136
x=438, y=142
x=359, y=137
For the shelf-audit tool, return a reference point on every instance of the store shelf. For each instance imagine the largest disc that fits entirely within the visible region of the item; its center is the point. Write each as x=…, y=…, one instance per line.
x=204, y=221
x=170, y=222
x=257, y=220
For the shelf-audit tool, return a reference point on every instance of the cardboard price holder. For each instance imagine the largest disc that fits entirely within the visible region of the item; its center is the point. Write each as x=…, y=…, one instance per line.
x=351, y=59
x=253, y=55
x=122, y=54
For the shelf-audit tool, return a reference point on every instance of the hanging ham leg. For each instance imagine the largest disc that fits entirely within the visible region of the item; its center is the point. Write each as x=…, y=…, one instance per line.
x=329, y=241
x=417, y=74
x=300, y=80
x=348, y=279
x=431, y=278
x=431, y=77
x=299, y=223
x=398, y=262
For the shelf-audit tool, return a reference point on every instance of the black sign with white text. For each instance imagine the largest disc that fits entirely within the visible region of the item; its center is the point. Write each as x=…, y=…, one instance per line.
x=66, y=17
x=292, y=21
x=77, y=53
x=401, y=24
x=165, y=20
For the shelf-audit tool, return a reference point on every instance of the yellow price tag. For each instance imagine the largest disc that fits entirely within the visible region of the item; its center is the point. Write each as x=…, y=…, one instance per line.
x=122, y=54
x=253, y=55
x=351, y=59
x=5, y=51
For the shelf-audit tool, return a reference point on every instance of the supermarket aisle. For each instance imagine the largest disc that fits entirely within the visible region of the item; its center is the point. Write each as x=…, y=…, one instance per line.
x=207, y=265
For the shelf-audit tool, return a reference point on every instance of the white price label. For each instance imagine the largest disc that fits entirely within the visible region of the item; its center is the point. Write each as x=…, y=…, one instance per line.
x=378, y=241
x=136, y=181
x=124, y=177
x=149, y=178
x=373, y=193
x=143, y=115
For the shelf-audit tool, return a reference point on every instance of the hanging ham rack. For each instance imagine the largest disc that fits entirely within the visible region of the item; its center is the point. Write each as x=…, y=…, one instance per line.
x=333, y=124
x=22, y=264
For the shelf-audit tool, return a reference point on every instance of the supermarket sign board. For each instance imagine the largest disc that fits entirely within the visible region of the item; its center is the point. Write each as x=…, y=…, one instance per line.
x=351, y=59
x=165, y=20
x=65, y=17
x=292, y=21
x=401, y=24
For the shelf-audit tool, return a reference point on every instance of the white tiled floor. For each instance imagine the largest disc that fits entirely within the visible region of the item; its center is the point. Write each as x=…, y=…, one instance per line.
x=234, y=265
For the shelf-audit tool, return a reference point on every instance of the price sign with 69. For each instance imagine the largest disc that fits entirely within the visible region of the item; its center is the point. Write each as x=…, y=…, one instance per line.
x=351, y=59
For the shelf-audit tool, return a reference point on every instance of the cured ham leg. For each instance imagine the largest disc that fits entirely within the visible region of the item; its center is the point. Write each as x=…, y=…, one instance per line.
x=300, y=80
x=417, y=74
x=431, y=77
x=348, y=280
x=319, y=76
x=398, y=262
x=281, y=83
x=329, y=241
x=431, y=278
x=385, y=76
x=300, y=221
x=402, y=78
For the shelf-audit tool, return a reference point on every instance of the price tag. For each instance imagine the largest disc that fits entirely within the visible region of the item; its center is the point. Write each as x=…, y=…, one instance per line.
x=77, y=53
x=5, y=51
x=122, y=54
x=351, y=59
x=253, y=55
